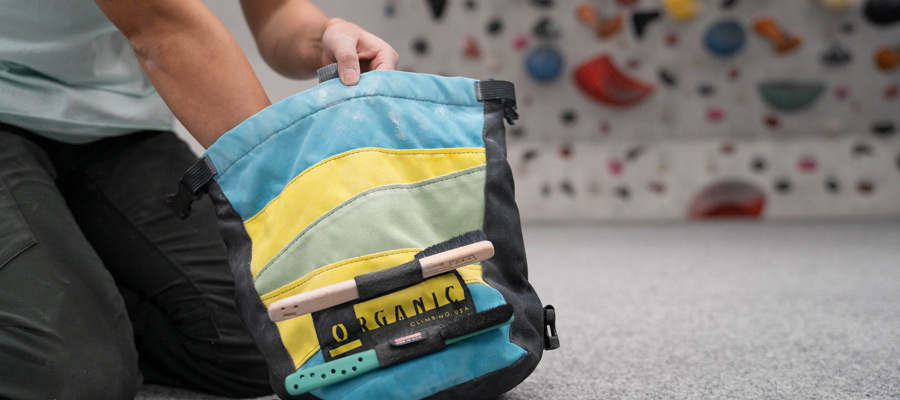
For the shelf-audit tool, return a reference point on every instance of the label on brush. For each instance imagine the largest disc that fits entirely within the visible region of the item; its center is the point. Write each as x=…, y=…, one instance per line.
x=415, y=337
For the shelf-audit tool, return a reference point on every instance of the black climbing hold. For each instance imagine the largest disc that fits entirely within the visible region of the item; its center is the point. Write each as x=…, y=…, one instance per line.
x=567, y=188
x=758, y=164
x=882, y=12
x=530, y=155
x=437, y=8
x=883, y=128
x=568, y=117
x=634, y=152
x=863, y=149
x=545, y=190
x=667, y=77
x=782, y=185
x=390, y=10
x=495, y=26
x=640, y=20
x=420, y=46
x=471, y=4
x=546, y=28
x=848, y=28
x=706, y=89
x=623, y=192
x=836, y=56
x=517, y=131
x=832, y=185
x=542, y=3
x=727, y=4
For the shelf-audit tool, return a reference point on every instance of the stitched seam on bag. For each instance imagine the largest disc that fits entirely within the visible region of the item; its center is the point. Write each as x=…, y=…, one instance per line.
x=320, y=271
x=479, y=168
x=329, y=106
x=352, y=152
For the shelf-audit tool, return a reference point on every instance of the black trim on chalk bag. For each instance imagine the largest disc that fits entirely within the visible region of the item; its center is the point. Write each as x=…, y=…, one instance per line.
x=192, y=186
x=327, y=72
x=503, y=91
x=551, y=339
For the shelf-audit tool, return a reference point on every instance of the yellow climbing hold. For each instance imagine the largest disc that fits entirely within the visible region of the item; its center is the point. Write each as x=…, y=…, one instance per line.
x=681, y=9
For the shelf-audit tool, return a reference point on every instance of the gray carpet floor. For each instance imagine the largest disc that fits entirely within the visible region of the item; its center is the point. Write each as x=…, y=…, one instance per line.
x=728, y=310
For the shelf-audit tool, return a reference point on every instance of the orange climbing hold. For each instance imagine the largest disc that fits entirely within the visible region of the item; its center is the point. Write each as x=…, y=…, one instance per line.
x=603, y=26
x=599, y=78
x=781, y=41
x=886, y=58
x=728, y=199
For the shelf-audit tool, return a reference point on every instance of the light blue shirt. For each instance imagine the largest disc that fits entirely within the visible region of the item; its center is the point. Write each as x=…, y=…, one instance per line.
x=66, y=73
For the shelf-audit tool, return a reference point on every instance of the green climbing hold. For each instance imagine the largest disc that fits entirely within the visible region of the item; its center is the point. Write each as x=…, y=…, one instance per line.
x=789, y=95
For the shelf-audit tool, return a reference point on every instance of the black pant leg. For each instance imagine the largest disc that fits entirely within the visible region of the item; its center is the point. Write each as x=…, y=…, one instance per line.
x=174, y=273
x=64, y=332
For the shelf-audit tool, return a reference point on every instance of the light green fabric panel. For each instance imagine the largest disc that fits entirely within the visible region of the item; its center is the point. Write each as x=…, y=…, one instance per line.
x=389, y=217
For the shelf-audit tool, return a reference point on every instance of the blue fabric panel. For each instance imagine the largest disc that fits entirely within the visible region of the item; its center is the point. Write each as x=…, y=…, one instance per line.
x=427, y=375
x=387, y=109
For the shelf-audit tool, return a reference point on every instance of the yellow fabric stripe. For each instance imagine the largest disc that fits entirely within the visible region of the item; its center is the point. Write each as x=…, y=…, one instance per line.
x=332, y=181
x=299, y=334
x=345, y=348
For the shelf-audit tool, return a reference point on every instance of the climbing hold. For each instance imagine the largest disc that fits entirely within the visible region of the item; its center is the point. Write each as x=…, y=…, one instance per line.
x=706, y=89
x=727, y=4
x=568, y=117
x=615, y=167
x=544, y=64
x=565, y=151
x=471, y=48
x=781, y=41
x=681, y=9
x=728, y=199
x=437, y=8
x=495, y=26
x=390, y=9
x=807, y=164
x=542, y=3
x=771, y=121
x=546, y=28
x=567, y=188
x=833, y=127
x=520, y=42
x=603, y=26
x=667, y=77
x=758, y=164
x=640, y=20
x=782, y=185
x=725, y=38
x=887, y=58
x=672, y=39
x=605, y=128
x=862, y=149
x=882, y=12
x=623, y=192
x=890, y=91
x=734, y=73
x=839, y=4
x=517, y=131
x=530, y=155
x=883, y=128
x=627, y=2
x=865, y=187
x=420, y=46
x=832, y=185
x=789, y=95
x=657, y=187
x=842, y=92
x=633, y=153
x=727, y=148
x=471, y=5
x=836, y=56
x=633, y=63
x=599, y=78
x=715, y=114
x=545, y=190
x=848, y=28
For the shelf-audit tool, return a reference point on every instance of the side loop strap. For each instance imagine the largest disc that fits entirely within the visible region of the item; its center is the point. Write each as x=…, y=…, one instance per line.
x=192, y=186
x=502, y=91
x=327, y=72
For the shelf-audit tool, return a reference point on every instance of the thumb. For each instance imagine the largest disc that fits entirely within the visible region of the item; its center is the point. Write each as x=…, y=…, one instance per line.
x=344, y=51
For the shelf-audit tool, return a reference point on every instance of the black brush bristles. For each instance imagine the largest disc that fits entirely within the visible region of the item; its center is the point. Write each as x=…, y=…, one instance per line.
x=453, y=243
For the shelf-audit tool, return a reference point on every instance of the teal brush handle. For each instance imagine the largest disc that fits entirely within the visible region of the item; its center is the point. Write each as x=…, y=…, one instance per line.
x=331, y=372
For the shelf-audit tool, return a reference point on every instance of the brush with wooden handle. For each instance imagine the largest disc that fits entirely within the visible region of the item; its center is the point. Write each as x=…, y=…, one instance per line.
x=465, y=249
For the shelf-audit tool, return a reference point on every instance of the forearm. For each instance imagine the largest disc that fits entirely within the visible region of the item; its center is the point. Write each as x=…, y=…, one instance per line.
x=288, y=34
x=193, y=61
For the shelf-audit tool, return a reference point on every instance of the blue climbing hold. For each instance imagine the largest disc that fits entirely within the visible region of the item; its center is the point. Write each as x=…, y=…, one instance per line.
x=725, y=38
x=544, y=64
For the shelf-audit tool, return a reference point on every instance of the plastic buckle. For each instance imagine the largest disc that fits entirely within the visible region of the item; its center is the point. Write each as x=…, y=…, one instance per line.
x=551, y=339
x=509, y=111
x=181, y=201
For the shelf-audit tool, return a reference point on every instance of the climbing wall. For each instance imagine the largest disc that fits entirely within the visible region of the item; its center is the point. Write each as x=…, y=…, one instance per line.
x=672, y=109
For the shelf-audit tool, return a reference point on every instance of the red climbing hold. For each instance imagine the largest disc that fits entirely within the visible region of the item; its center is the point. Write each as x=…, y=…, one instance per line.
x=471, y=48
x=601, y=80
x=728, y=199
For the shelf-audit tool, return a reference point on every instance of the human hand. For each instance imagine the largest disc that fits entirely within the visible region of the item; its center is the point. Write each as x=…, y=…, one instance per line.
x=355, y=50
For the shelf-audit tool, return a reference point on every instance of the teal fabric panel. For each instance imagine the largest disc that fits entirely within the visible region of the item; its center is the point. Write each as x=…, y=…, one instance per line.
x=68, y=74
x=427, y=375
x=391, y=217
x=387, y=109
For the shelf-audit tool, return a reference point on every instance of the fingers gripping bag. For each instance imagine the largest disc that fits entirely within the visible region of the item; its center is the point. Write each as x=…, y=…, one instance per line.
x=375, y=241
